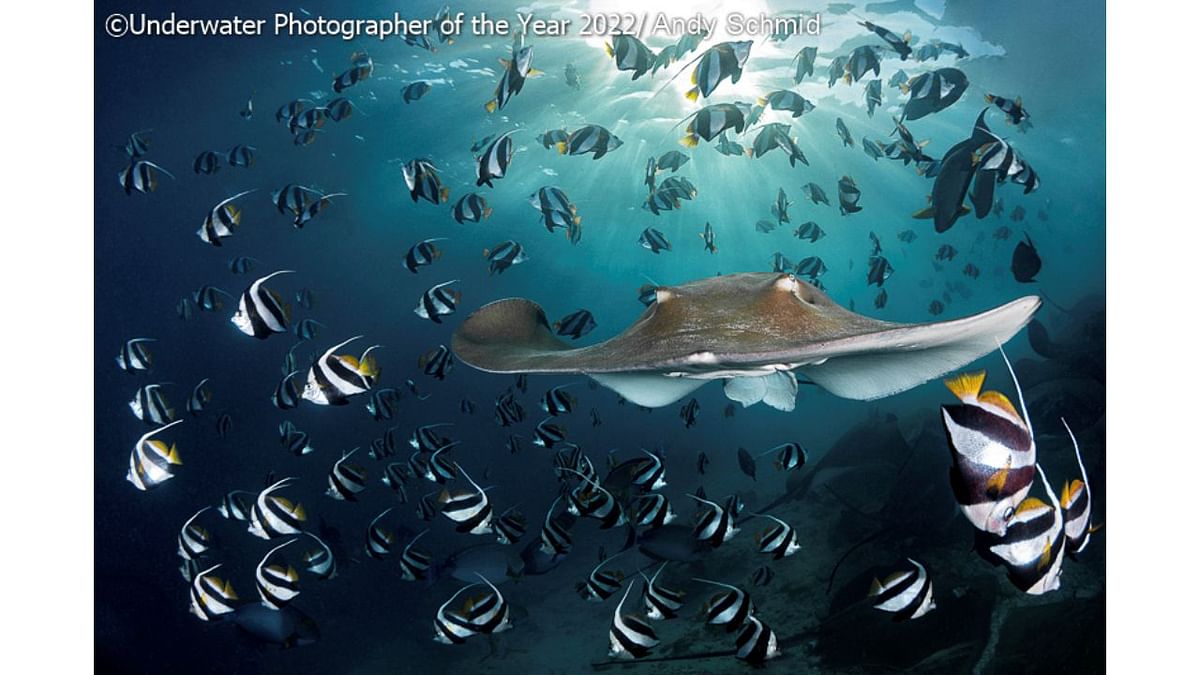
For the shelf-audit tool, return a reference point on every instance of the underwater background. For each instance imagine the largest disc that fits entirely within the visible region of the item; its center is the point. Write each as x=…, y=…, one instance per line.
x=878, y=492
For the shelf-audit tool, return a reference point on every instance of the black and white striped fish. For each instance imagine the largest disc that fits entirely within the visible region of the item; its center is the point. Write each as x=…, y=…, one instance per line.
x=555, y=537
x=221, y=220
x=423, y=182
x=756, y=643
x=516, y=71
x=241, y=155
x=422, y=253
x=287, y=393
x=438, y=301
x=547, y=434
x=242, y=264
x=652, y=510
x=438, y=468
x=320, y=561
x=1032, y=548
x=379, y=539
x=591, y=500
x=790, y=456
x=1076, y=504
x=194, y=540
x=504, y=255
x=451, y=626
x=261, y=311
x=654, y=240
x=590, y=139
x=729, y=608
x=396, y=475
x=200, y=398
x=211, y=598
x=307, y=329
x=294, y=199
x=488, y=613
x=494, y=161
x=137, y=145
x=427, y=507
x=135, y=355
x=413, y=562
x=651, y=474
x=471, y=208
x=721, y=61
x=600, y=584
x=236, y=505
x=315, y=208
x=425, y=439
x=508, y=410
x=224, y=425
x=993, y=452
x=334, y=378
x=661, y=602
x=558, y=401
x=382, y=404
x=294, y=440
x=346, y=480
x=510, y=526
x=630, y=637
x=277, y=584
x=715, y=525
x=207, y=298
x=150, y=405
x=550, y=199
x=471, y=510
x=276, y=516
x=907, y=593
x=140, y=175
x=779, y=540
x=437, y=362
x=762, y=576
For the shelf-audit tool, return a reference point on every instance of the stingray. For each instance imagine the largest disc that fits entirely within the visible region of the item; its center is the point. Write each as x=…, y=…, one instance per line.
x=755, y=331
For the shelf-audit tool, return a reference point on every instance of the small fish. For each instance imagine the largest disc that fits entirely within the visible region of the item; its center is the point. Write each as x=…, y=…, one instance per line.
x=702, y=462
x=688, y=413
x=862, y=60
x=776, y=135
x=547, y=434
x=746, y=463
x=150, y=405
x=757, y=643
x=241, y=155
x=346, y=481
x=898, y=43
x=207, y=163
x=715, y=525
x=135, y=355
x=423, y=182
x=874, y=98
x=661, y=602
x=785, y=100
x=508, y=410
x=844, y=133
x=710, y=243
x=415, y=91
x=277, y=585
x=471, y=208
x=720, y=62
x=1076, y=503
x=630, y=637
x=224, y=425
x=493, y=163
x=848, y=195
x=712, y=121
x=380, y=540
x=805, y=61
x=194, y=540
x=779, y=540
x=557, y=401
x=650, y=473
x=879, y=270
x=595, y=418
x=630, y=54
x=221, y=220
x=141, y=176
x=361, y=68
x=654, y=241
x=236, y=505
x=729, y=608
x=1026, y=263
x=261, y=312
x=294, y=440
x=211, y=598
x=510, y=526
x=576, y=324
x=936, y=307
x=815, y=193
x=438, y=301
x=471, y=510
x=555, y=538
x=811, y=267
x=762, y=576
x=590, y=139
x=437, y=362
x=933, y=92
x=320, y=562
x=907, y=593
x=810, y=231
x=274, y=516
x=339, y=109
x=512, y=80
x=413, y=562
x=422, y=254
x=600, y=585
x=504, y=255
x=652, y=510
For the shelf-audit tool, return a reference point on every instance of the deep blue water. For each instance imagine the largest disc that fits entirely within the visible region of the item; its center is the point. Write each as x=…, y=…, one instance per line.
x=188, y=92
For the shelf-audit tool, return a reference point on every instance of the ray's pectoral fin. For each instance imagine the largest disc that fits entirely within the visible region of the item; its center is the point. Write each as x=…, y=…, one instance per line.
x=652, y=390
x=777, y=390
x=892, y=361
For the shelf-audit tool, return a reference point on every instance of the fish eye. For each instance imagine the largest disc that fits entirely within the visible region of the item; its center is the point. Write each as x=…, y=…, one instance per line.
x=1009, y=513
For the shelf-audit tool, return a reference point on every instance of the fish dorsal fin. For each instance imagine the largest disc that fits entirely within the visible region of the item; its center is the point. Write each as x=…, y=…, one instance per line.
x=351, y=361
x=966, y=386
x=876, y=588
x=1070, y=492
x=1030, y=504
x=1000, y=401
x=1047, y=552
x=995, y=484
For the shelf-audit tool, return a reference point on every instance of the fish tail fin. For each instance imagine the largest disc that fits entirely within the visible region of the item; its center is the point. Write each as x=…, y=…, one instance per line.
x=924, y=214
x=490, y=106
x=444, y=193
x=690, y=141
x=486, y=251
x=561, y=147
x=487, y=213
x=693, y=94
x=989, y=98
x=608, y=50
